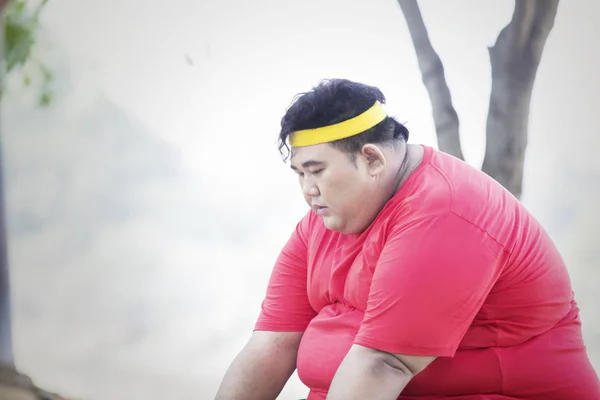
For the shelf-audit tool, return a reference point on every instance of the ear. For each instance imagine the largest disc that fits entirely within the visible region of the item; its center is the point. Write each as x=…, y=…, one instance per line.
x=374, y=158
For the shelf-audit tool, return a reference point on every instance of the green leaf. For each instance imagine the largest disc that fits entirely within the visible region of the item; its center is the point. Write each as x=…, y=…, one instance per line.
x=45, y=99
x=21, y=25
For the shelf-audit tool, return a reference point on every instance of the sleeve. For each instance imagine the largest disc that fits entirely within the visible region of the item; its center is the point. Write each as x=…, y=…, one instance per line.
x=431, y=279
x=286, y=307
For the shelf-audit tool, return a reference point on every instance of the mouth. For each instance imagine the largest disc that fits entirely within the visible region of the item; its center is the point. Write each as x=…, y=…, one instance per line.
x=319, y=209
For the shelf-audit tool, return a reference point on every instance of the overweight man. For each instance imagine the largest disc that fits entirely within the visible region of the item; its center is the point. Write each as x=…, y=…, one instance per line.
x=412, y=276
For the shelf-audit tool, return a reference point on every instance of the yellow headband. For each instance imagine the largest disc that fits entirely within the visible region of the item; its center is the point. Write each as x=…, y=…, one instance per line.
x=341, y=130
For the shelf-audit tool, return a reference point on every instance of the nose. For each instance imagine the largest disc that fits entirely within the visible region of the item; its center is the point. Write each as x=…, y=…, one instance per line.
x=309, y=189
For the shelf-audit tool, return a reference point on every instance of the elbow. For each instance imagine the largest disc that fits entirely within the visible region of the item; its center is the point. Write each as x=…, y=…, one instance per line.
x=406, y=365
x=393, y=362
x=381, y=363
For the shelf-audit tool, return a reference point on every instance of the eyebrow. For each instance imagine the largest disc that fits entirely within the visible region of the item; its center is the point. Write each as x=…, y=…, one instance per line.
x=309, y=163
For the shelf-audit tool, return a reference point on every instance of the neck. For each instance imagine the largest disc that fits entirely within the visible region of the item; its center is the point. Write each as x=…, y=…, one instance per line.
x=402, y=171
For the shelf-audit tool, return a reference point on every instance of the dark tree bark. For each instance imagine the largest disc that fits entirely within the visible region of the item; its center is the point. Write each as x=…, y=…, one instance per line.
x=515, y=59
x=434, y=79
x=514, y=62
x=6, y=344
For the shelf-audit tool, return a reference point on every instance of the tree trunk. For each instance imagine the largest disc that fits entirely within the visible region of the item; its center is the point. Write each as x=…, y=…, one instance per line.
x=6, y=345
x=434, y=79
x=514, y=60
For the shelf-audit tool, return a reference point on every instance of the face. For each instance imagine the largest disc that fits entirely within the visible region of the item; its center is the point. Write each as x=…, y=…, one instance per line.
x=345, y=194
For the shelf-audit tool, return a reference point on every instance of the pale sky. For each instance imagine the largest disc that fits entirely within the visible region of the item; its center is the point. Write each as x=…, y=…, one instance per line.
x=233, y=203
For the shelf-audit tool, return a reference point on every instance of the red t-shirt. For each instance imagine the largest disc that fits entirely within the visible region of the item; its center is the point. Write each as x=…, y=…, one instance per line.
x=454, y=267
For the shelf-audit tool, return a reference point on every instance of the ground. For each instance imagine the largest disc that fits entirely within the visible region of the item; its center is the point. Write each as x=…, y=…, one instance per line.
x=17, y=386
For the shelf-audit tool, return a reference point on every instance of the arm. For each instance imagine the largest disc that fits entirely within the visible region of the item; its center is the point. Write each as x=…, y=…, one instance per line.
x=265, y=364
x=375, y=375
x=262, y=368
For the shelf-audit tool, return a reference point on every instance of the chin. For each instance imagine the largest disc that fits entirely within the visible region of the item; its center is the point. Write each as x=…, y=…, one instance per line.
x=333, y=225
x=337, y=226
x=344, y=229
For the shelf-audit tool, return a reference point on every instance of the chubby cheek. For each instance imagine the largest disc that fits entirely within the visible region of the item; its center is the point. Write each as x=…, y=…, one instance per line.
x=339, y=195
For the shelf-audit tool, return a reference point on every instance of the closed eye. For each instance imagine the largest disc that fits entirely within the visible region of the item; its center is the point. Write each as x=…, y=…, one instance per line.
x=317, y=172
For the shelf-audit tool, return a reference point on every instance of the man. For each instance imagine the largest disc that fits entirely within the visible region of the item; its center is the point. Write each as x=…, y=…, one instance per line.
x=413, y=275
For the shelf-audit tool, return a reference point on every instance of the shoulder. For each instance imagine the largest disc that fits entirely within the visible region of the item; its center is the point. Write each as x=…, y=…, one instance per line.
x=448, y=184
x=448, y=198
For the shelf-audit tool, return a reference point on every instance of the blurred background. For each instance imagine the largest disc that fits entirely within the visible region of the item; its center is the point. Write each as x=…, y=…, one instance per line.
x=146, y=199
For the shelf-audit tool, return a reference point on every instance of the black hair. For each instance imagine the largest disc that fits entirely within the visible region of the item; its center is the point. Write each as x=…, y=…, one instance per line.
x=337, y=100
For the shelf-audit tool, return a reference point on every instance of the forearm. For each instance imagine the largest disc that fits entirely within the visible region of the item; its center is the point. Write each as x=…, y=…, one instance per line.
x=370, y=377
x=259, y=372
